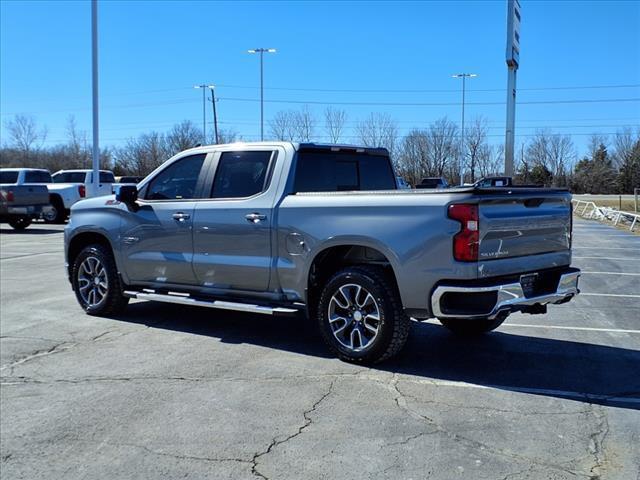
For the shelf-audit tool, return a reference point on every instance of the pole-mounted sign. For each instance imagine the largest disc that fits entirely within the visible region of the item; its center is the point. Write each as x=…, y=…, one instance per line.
x=513, y=62
x=513, y=33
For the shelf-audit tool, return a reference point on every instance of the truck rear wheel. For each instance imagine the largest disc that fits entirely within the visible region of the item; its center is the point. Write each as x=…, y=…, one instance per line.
x=360, y=315
x=96, y=282
x=56, y=212
x=20, y=222
x=473, y=327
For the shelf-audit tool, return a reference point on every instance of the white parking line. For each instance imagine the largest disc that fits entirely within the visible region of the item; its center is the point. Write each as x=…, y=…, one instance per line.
x=613, y=273
x=606, y=248
x=558, y=327
x=610, y=258
x=534, y=391
x=608, y=295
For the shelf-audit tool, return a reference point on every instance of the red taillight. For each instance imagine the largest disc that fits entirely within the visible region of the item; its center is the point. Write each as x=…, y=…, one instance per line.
x=10, y=196
x=82, y=191
x=465, y=242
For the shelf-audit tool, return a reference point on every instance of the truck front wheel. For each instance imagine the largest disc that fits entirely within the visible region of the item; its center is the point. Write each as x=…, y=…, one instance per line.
x=473, y=327
x=97, y=283
x=361, y=317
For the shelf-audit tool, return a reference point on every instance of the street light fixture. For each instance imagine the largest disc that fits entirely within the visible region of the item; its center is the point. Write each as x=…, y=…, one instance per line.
x=204, y=87
x=262, y=51
x=464, y=76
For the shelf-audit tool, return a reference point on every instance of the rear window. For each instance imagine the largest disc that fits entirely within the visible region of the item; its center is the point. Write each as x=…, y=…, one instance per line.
x=432, y=182
x=69, y=177
x=8, y=177
x=326, y=171
x=37, y=176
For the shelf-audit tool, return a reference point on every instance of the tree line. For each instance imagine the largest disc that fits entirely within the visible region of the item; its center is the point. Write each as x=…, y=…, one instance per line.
x=611, y=164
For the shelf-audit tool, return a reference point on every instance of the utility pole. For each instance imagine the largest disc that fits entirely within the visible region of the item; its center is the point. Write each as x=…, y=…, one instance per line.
x=513, y=61
x=461, y=166
x=204, y=87
x=94, y=93
x=262, y=51
x=215, y=115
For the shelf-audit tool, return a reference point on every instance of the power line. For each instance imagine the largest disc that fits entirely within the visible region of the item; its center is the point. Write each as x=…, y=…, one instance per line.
x=449, y=90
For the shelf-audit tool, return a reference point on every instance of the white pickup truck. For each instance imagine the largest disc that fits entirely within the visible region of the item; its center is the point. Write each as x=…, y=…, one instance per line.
x=66, y=187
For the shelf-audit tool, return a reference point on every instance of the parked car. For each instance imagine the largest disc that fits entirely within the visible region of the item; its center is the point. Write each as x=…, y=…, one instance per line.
x=20, y=202
x=433, y=182
x=281, y=228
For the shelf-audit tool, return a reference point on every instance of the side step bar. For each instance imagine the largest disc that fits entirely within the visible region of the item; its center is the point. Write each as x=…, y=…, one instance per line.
x=219, y=304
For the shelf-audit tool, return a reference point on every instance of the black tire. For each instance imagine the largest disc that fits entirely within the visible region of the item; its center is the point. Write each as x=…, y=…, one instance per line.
x=58, y=213
x=472, y=327
x=392, y=328
x=20, y=222
x=113, y=302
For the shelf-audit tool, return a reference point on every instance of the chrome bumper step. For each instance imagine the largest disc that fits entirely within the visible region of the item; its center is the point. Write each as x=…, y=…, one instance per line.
x=509, y=297
x=184, y=299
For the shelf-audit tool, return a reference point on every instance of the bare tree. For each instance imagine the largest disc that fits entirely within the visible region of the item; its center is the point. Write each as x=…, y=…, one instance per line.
x=379, y=130
x=182, y=136
x=413, y=160
x=78, y=150
x=228, y=135
x=24, y=134
x=443, y=148
x=141, y=155
x=476, y=145
x=334, y=122
x=554, y=152
x=282, y=126
x=304, y=124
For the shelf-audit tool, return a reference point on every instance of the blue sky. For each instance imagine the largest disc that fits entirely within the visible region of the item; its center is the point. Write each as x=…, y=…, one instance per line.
x=152, y=53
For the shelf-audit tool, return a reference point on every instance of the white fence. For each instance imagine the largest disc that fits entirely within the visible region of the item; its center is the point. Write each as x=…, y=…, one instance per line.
x=590, y=210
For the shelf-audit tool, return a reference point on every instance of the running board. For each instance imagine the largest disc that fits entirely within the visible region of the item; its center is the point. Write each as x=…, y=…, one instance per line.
x=219, y=304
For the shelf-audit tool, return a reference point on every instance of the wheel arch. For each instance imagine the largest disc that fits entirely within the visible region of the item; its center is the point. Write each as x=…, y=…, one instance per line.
x=339, y=254
x=81, y=240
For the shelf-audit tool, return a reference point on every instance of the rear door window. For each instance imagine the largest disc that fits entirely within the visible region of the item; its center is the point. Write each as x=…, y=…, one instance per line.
x=326, y=171
x=241, y=174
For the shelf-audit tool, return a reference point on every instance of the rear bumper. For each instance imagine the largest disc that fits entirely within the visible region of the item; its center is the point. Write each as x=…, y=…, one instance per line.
x=489, y=301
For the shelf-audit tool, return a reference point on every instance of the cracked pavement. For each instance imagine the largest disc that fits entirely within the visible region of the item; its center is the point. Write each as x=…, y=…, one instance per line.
x=171, y=392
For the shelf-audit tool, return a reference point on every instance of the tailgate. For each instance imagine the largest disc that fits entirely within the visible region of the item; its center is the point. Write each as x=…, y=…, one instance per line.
x=26, y=195
x=519, y=224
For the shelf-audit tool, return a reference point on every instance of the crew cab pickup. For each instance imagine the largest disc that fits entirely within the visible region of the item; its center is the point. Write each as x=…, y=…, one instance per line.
x=281, y=228
x=20, y=202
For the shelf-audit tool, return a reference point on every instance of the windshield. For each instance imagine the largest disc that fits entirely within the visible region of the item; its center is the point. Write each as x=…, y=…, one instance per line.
x=8, y=177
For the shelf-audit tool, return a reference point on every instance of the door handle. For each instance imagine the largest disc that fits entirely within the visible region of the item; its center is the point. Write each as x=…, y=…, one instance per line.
x=255, y=217
x=181, y=217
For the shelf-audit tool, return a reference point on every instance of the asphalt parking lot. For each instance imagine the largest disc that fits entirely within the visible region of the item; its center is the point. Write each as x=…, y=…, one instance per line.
x=165, y=391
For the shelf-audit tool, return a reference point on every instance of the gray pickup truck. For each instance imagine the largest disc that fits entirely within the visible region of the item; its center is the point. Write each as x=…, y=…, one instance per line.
x=283, y=228
x=21, y=197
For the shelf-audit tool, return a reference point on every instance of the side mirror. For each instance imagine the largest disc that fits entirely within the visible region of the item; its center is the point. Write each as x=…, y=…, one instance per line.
x=127, y=194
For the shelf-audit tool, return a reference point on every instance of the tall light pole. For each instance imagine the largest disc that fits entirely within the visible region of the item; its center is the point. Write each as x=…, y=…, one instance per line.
x=464, y=77
x=262, y=51
x=94, y=93
x=204, y=87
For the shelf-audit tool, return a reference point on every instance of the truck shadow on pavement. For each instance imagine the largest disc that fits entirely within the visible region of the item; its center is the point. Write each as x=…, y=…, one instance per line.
x=579, y=371
x=28, y=231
